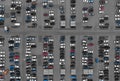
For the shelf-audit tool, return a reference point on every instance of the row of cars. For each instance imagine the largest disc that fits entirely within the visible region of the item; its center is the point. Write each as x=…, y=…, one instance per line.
x=62, y=9
x=73, y=58
x=14, y=58
x=15, y=10
x=102, y=4
x=31, y=59
x=62, y=58
x=117, y=59
x=117, y=14
x=87, y=10
x=2, y=0
x=2, y=58
x=103, y=54
x=87, y=58
x=31, y=16
x=2, y=64
x=49, y=14
x=2, y=41
x=2, y=17
x=72, y=13
x=48, y=58
x=2, y=12
x=104, y=20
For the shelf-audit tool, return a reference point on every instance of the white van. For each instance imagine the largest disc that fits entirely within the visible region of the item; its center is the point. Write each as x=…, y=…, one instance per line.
x=6, y=29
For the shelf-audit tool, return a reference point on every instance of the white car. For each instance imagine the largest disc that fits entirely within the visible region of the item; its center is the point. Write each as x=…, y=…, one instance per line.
x=85, y=1
x=101, y=80
x=50, y=39
x=62, y=60
x=116, y=42
x=116, y=65
x=18, y=77
x=85, y=47
x=34, y=0
x=12, y=8
x=73, y=11
x=84, y=80
x=11, y=77
x=106, y=67
x=16, y=66
x=45, y=57
x=62, y=23
x=28, y=52
x=51, y=13
x=62, y=46
x=72, y=44
x=51, y=56
x=2, y=64
x=72, y=23
x=11, y=44
x=101, y=72
x=34, y=59
x=17, y=24
x=28, y=49
x=117, y=16
x=84, y=58
x=2, y=55
x=62, y=1
x=50, y=1
x=2, y=52
x=32, y=80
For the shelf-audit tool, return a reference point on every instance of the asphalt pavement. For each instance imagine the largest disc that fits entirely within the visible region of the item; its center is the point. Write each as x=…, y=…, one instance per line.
x=79, y=32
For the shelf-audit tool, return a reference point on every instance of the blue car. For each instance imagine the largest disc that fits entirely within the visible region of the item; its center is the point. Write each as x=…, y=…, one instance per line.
x=85, y=67
x=96, y=60
x=16, y=45
x=33, y=69
x=91, y=1
x=72, y=53
x=118, y=22
x=74, y=79
x=45, y=39
x=16, y=62
x=12, y=54
x=45, y=80
x=106, y=58
x=12, y=67
x=51, y=60
x=89, y=75
x=33, y=6
x=18, y=80
x=73, y=76
x=28, y=18
x=2, y=19
x=117, y=48
x=62, y=39
x=116, y=63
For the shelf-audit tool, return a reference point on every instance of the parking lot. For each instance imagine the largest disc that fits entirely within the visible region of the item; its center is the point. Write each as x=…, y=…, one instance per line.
x=67, y=52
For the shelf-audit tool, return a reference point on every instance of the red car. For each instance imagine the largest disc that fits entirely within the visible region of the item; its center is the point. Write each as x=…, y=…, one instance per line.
x=16, y=56
x=45, y=53
x=101, y=9
x=50, y=67
x=72, y=50
x=90, y=44
x=45, y=14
